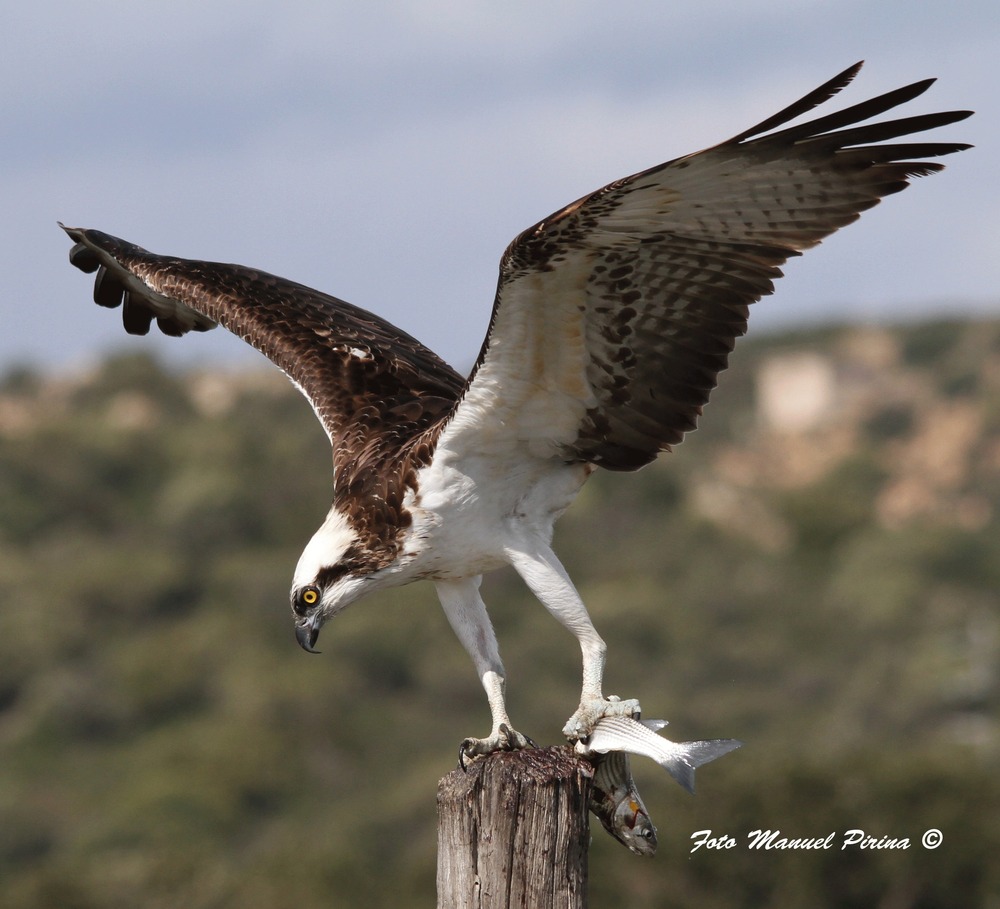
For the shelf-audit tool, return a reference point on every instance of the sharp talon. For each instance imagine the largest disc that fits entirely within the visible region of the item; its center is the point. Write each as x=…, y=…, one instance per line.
x=579, y=726
x=504, y=739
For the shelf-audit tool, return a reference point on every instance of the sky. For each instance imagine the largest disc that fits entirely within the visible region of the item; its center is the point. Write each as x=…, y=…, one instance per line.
x=388, y=152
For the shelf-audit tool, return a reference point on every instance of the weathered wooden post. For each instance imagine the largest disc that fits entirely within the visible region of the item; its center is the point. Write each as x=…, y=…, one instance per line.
x=513, y=831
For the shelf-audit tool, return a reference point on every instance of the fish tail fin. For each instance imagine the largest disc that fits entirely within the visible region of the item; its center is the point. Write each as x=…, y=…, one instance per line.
x=691, y=755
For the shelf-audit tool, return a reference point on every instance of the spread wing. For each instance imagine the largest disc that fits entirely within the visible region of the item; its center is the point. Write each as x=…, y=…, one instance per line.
x=614, y=316
x=372, y=386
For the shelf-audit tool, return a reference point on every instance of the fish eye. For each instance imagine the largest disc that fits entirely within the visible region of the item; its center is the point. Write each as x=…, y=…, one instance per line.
x=307, y=598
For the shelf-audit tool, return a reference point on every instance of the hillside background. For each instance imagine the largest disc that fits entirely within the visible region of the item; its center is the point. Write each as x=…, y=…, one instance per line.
x=815, y=571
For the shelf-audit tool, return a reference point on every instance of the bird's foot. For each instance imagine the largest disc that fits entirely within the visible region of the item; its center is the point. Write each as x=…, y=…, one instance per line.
x=593, y=710
x=503, y=738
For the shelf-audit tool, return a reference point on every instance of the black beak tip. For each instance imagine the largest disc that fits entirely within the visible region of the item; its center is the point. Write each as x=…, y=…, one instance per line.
x=306, y=634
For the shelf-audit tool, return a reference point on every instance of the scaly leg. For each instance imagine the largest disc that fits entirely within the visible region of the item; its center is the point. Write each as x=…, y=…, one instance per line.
x=537, y=564
x=466, y=612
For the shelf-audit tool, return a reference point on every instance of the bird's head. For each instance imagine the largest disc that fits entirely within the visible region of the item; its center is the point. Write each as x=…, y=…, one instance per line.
x=330, y=575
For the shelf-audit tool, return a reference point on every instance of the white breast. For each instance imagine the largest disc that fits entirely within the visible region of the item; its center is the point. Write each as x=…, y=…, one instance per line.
x=467, y=509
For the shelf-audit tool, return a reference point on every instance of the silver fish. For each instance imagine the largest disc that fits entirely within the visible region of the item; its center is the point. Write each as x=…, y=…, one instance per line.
x=679, y=759
x=616, y=802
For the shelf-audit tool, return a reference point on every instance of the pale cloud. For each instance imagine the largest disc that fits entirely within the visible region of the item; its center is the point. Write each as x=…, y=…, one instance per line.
x=387, y=152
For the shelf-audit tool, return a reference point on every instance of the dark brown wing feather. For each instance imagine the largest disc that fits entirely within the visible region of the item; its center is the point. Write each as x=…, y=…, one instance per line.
x=614, y=316
x=373, y=387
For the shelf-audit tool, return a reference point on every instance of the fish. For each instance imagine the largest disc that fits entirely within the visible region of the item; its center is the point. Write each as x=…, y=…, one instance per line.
x=679, y=759
x=616, y=802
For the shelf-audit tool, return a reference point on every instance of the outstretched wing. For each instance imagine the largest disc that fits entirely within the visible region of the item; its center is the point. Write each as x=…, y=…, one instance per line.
x=372, y=386
x=614, y=316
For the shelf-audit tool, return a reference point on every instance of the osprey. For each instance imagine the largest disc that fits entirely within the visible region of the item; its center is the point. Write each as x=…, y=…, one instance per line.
x=612, y=320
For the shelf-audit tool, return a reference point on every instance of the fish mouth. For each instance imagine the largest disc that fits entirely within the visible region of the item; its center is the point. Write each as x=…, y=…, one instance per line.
x=306, y=633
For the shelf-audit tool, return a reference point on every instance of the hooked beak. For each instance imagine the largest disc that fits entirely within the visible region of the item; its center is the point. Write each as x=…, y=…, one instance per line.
x=306, y=633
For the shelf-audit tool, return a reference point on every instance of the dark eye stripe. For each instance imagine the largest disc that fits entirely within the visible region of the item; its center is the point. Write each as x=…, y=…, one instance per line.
x=332, y=574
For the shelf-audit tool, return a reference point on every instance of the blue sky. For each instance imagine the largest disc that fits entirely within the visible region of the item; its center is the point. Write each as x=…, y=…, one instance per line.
x=388, y=152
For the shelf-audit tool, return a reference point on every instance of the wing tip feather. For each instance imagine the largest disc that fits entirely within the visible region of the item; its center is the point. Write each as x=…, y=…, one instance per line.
x=117, y=282
x=827, y=126
x=808, y=102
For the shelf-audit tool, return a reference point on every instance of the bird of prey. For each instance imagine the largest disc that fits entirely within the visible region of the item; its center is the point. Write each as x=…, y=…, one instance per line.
x=612, y=320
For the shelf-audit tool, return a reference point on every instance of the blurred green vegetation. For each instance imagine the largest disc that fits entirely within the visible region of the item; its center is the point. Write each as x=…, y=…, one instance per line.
x=825, y=591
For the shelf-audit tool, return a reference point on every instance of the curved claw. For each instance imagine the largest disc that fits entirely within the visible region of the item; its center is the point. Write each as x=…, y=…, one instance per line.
x=505, y=739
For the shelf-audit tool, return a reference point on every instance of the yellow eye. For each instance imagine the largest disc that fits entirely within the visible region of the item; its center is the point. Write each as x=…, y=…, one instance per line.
x=305, y=600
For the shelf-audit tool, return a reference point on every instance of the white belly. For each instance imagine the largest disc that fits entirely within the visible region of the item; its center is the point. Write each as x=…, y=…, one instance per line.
x=467, y=511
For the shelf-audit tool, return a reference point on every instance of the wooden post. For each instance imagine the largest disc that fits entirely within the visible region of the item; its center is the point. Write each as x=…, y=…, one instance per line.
x=513, y=831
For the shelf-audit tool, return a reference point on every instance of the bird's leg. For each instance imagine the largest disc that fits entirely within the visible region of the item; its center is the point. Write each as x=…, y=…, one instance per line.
x=466, y=612
x=545, y=576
